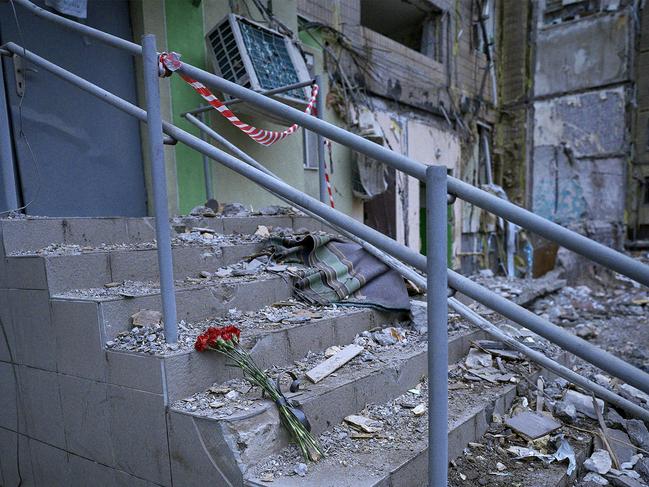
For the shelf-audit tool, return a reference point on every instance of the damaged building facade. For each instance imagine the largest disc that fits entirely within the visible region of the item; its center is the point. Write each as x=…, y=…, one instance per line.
x=544, y=103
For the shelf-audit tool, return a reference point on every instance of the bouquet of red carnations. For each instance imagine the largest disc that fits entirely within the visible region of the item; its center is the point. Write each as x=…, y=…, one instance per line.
x=225, y=340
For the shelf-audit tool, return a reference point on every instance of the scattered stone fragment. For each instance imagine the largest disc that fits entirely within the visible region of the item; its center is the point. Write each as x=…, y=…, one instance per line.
x=477, y=359
x=419, y=410
x=223, y=273
x=146, y=317
x=633, y=394
x=202, y=211
x=301, y=469
x=234, y=209
x=277, y=267
x=254, y=265
x=532, y=425
x=621, y=445
x=363, y=423
x=595, y=479
x=110, y=285
x=614, y=420
x=583, y=403
x=599, y=462
x=209, y=231
x=565, y=411
x=331, y=351
x=271, y=210
x=267, y=477
x=110, y=344
x=500, y=466
x=205, y=274
x=262, y=231
x=232, y=395
x=625, y=481
x=586, y=332
x=638, y=433
x=217, y=404
x=419, y=316
x=631, y=463
x=642, y=467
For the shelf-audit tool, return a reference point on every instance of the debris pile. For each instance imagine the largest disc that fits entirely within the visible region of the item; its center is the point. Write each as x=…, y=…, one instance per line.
x=148, y=336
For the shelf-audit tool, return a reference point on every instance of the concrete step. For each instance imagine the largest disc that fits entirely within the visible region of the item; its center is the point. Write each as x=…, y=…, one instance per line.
x=399, y=454
x=61, y=269
x=234, y=440
x=30, y=234
x=77, y=325
x=269, y=343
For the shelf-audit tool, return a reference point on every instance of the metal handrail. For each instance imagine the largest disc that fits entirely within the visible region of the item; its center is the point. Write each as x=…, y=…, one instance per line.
x=569, y=239
x=526, y=318
x=435, y=265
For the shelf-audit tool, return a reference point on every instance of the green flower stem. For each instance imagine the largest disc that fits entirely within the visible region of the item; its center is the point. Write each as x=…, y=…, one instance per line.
x=306, y=442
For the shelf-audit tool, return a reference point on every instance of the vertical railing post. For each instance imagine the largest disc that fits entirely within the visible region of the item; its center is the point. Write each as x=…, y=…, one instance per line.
x=159, y=180
x=436, y=229
x=320, y=108
x=207, y=168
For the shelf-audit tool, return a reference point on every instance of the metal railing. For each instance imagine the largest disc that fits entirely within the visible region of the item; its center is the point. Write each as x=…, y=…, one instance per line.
x=439, y=277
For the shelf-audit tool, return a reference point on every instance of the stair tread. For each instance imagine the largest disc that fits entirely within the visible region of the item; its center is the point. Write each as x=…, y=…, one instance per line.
x=275, y=318
x=401, y=442
x=188, y=240
x=133, y=289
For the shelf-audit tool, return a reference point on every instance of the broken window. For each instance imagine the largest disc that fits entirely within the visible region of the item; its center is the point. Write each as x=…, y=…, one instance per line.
x=416, y=24
x=484, y=24
x=557, y=11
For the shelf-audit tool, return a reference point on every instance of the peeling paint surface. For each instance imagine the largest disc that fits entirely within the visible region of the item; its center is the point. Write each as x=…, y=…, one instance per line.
x=591, y=124
x=579, y=55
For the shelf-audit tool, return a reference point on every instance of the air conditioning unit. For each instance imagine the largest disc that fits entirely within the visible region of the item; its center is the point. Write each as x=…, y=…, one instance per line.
x=258, y=58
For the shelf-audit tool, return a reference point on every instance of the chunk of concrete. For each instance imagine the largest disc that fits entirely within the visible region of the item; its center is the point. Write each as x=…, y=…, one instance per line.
x=419, y=315
x=599, y=462
x=565, y=411
x=583, y=403
x=638, y=433
x=592, y=478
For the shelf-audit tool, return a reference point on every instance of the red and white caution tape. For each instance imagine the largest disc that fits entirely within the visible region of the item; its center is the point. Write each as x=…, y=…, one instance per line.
x=327, y=142
x=170, y=62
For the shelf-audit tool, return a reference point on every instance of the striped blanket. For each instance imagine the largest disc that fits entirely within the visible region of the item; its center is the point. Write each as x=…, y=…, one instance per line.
x=342, y=272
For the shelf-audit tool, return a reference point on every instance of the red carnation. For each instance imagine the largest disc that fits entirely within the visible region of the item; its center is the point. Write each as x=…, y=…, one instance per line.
x=210, y=337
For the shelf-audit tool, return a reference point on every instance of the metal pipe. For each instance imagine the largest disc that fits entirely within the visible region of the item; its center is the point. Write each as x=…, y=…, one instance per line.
x=571, y=240
x=207, y=167
x=571, y=343
x=320, y=107
x=548, y=363
x=9, y=200
x=274, y=91
x=522, y=217
x=158, y=176
x=496, y=332
x=437, y=309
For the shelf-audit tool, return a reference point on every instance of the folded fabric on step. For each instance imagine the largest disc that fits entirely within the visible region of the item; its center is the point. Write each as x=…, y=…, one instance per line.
x=342, y=272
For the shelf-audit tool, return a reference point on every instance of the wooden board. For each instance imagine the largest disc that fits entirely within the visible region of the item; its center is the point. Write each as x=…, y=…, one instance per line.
x=322, y=370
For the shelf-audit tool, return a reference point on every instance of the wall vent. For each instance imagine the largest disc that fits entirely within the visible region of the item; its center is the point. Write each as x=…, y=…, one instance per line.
x=256, y=57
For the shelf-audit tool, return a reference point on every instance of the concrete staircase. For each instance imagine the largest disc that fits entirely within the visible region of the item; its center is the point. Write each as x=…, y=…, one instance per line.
x=89, y=408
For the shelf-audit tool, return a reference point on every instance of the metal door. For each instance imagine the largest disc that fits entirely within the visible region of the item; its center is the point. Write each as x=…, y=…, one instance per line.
x=87, y=156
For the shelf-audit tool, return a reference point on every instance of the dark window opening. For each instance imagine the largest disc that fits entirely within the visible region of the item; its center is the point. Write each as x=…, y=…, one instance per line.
x=646, y=191
x=416, y=24
x=557, y=11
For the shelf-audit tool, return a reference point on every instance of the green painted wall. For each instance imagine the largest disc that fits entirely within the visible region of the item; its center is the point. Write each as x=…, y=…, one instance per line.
x=184, y=23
